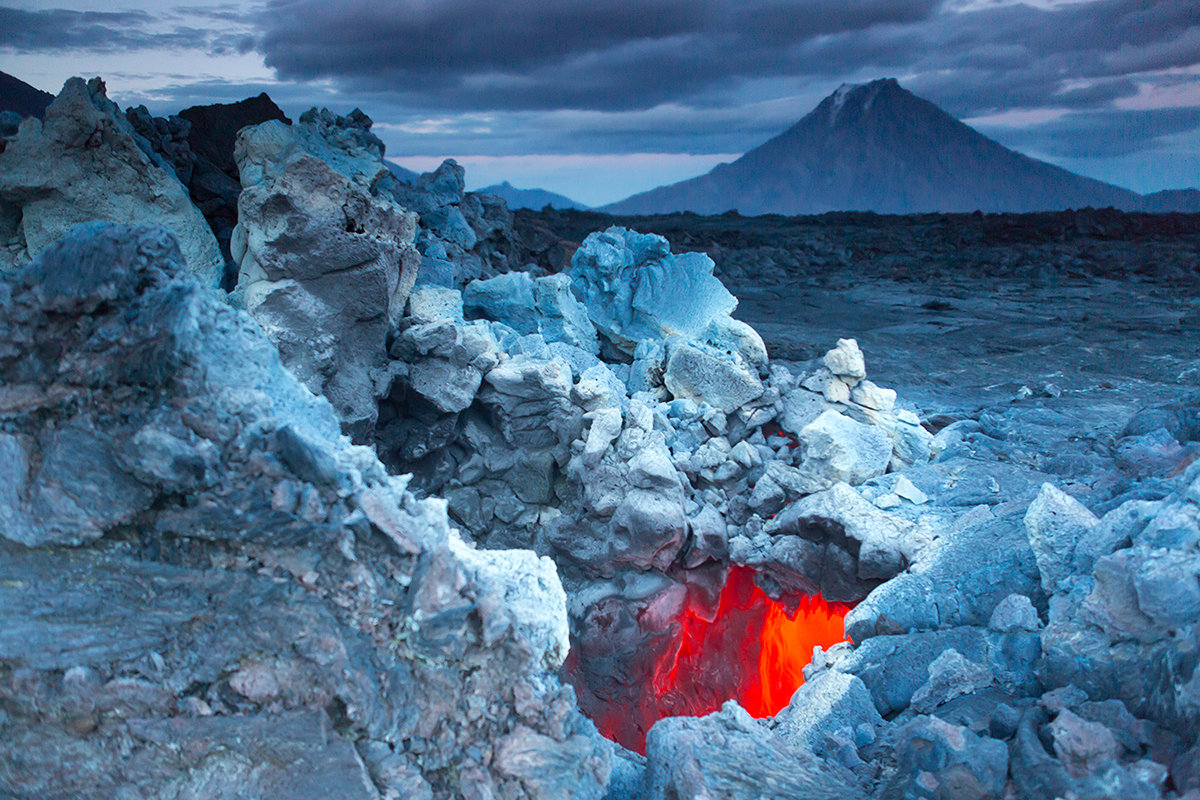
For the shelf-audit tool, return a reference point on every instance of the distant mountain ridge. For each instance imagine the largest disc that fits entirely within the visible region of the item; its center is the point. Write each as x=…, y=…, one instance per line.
x=17, y=95
x=878, y=147
x=535, y=199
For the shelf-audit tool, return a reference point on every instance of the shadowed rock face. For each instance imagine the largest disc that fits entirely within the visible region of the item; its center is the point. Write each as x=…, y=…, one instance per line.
x=215, y=127
x=205, y=589
x=877, y=147
x=20, y=98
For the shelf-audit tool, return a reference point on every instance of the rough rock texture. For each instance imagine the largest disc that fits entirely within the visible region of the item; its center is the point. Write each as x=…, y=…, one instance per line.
x=83, y=163
x=205, y=590
x=635, y=289
x=325, y=267
x=708, y=757
x=214, y=185
x=465, y=236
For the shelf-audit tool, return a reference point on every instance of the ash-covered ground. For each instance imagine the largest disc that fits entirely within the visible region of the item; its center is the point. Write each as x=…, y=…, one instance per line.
x=316, y=481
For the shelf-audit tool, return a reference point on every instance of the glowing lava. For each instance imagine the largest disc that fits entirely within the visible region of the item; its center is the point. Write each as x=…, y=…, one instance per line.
x=751, y=649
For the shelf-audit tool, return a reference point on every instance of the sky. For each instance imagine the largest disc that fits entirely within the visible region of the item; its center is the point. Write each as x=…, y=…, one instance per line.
x=599, y=100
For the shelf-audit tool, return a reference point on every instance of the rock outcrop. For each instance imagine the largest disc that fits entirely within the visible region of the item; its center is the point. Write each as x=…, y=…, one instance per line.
x=325, y=266
x=205, y=589
x=83, y=163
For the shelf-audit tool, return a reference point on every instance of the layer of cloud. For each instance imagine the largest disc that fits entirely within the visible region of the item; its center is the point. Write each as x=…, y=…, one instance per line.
x=217, y=29
x=546, y=54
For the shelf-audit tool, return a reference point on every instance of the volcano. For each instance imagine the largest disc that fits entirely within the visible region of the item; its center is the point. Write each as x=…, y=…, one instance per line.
x=878, y=147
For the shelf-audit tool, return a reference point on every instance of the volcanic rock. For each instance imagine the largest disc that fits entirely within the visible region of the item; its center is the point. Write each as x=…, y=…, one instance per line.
x=635, y=289
x=730, y=755
x=1056, y=523
x=82, y=163
x=837, y=449
x=325, y=267
x=253, y=586
x=214, y=128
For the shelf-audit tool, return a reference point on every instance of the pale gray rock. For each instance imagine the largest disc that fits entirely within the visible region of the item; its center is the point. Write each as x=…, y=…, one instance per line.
x=435, y=303
x=693, y=372
x=831, y=702
x=950, y=676
x=1015, y=613
x=731, y=755
x=868, y=395
x=1055, y=524
x=846, y=361
x=800, y=407
x=326, y=269
x=82, y=163
x=634, y=288
x=835, y=449
x=1083, y=747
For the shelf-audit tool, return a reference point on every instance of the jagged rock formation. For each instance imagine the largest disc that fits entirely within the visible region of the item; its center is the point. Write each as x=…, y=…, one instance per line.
x=877, y=147
x=83, y=163
x=465, y=235
x=208, y=591
x=325, y=266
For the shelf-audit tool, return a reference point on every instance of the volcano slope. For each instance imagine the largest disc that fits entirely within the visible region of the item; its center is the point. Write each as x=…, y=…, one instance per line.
x=426, y=508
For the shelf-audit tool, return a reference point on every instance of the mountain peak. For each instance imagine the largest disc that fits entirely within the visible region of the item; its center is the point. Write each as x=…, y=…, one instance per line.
x=861, y=97
x=878, y=147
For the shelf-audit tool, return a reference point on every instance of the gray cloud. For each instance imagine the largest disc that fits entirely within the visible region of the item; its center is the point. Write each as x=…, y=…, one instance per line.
x=1100, y=134
x=58, y=29
x=712, y=57
x=544, y=54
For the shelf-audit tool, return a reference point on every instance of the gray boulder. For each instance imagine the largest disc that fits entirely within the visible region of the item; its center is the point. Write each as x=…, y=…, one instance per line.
x=82, y=163
x=835, y=449
x=832, y=701
x=730, y=755
x=635, y=289
x=326, y=269
x=935, y=759
x=696, y=372
x=1056, y=523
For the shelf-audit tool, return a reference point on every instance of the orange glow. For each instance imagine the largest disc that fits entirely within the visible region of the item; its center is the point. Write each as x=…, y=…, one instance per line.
x=787, y=647
x=751, y=650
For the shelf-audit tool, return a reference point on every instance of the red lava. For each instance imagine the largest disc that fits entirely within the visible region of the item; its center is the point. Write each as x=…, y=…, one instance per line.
x=752, y=650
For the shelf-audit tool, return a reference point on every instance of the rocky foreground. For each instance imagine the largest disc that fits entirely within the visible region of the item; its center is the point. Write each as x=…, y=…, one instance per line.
x=425, y=494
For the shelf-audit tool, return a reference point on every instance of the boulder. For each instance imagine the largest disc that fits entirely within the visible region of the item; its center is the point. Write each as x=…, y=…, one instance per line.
x=831, y=702
x=258, y=590
x=695, y=372
x=935, y=759
x=730, y=755
x=835, y=448
x=326, y=268
x=82, y=163
x=1056, y=523
x=634, y=288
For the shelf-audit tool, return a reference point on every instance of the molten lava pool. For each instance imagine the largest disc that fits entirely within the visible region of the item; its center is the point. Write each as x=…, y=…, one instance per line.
x=751, y=650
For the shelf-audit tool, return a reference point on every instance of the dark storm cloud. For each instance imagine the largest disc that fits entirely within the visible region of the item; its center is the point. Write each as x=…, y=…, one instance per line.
x=110, y=31
x=543, y=54
x=1100, y=134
